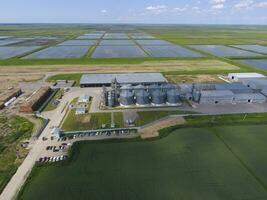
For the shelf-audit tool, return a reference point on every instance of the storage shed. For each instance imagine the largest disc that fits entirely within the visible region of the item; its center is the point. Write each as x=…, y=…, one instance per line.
x=238, y=77
x=80, y=111
x=216, y=97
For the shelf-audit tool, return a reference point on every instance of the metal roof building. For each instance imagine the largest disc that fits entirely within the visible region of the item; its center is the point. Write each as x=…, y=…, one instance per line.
x=249, y=98
x=236, y=88
x=99, y=80
x=236, y=77
x=216, y=97
x=256, y=84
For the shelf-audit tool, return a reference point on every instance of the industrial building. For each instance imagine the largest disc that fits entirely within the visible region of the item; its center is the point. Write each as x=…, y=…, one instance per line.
x=216, y=97
x=99, y=80
x=34, y=102
x=256, y=84
x=249, y=98
x=226, y=93
x=239, y=77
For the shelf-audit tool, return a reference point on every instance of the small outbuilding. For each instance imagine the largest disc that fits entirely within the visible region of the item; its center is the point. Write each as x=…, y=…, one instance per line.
x=56, y=132
x=84, y=99
x=80, y=111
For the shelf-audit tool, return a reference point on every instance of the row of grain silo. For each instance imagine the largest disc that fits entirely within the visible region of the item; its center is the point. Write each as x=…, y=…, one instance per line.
x=155, y=95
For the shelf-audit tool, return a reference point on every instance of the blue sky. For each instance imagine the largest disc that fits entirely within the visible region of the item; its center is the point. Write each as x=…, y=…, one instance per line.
x=135, y=11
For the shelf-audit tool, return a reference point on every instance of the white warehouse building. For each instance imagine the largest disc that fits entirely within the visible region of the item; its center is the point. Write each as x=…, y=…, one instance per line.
x=239, y=77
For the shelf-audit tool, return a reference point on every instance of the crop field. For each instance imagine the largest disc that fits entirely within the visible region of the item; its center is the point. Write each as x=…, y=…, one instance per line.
x=60, y=52
x=170, y=51
x=78, y=43
x=118, y=52
x=116, y=36
x=259, y=64
x=256, y=48
x=224, y=51
x=90, y=36
x=152, y=42
x=116, y=42
x=9, y=51
x=9, y=42
x=193, y=163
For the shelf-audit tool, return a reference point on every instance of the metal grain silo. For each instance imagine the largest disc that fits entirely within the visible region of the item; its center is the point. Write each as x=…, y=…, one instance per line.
x=152, y=88
x=138, y=88
x=127, y=87
x=111, y=99
x=142, y=97
x=126, y=98
x=172, y=97
x=167, y=87
x=158, y=97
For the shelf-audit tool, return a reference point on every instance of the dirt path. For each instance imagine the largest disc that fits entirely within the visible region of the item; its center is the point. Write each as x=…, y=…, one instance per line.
x=152, y=130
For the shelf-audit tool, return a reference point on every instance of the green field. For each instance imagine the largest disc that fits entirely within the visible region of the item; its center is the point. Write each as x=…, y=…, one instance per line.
x=13, y=130
x=194, y=163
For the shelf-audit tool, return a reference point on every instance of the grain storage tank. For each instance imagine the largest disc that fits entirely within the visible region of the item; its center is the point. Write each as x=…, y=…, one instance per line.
x=173, y=97
x=111, y=99
x=152, y=88
x=167, y=87
x=142, y=97
x=139, y=88
x=127, y=87
x=158, y=97
x=126, y=98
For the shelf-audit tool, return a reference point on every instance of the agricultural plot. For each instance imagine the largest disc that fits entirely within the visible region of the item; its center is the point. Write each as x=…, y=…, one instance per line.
x=90, y=36
x=190, y=164
x=10, y=52
x=118, y=52
x=116, y=36
x=60, y=52
x=260, y=63
x=141, y=36
x=256, y=48
x=36, y=42
x=9, y=42
x=78, y=43
x=4, y=37
x=153, y=42
x=170, y=51
x=116, y=42
x=220, y=50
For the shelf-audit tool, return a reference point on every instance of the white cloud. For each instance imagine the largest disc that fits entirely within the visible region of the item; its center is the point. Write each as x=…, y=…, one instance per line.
x=217, y=4
x=262, y=5
x=217, y=1
x=180, y=9
x=244, y=4
x=156, y=8
x=104, y=11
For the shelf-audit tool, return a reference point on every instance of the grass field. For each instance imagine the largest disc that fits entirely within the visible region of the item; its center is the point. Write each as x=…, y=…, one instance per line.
x=194, y=163
x=90, y=121
x=13, y=131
